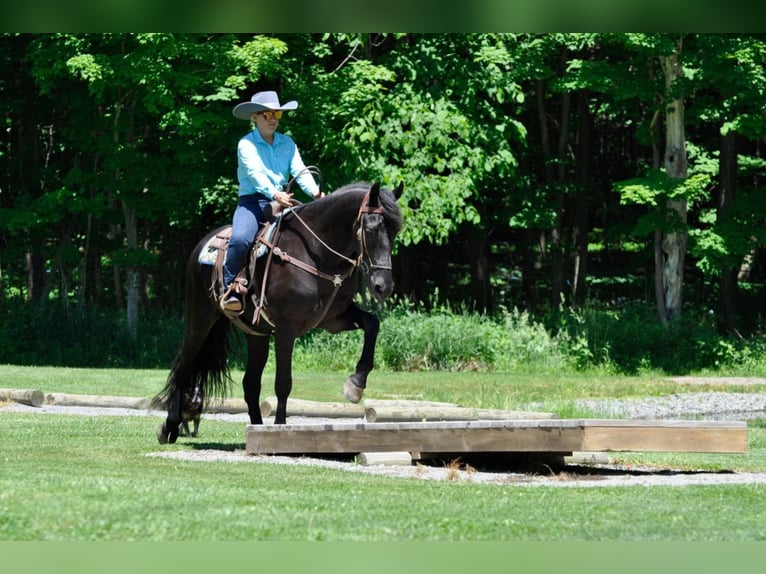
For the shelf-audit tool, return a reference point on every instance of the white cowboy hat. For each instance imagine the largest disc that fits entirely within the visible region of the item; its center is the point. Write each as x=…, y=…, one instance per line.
x=259, y=102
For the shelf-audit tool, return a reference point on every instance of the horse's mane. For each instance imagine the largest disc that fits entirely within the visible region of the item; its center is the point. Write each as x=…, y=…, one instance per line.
x=392, y=215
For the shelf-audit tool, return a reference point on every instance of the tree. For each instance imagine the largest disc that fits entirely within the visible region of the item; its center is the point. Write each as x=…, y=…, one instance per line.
x=667, y=191
x=118, y=154
x=140, y=118
x=730, y=97
x=670, y=242
x=440, y=117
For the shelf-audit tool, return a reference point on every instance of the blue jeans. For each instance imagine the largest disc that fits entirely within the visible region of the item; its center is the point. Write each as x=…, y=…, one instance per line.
x=244, y=226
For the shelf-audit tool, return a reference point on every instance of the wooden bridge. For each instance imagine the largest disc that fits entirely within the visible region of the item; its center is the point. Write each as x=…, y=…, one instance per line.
x=542, y=434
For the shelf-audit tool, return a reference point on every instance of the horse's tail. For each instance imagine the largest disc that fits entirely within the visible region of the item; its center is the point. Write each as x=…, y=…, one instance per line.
x=210, y=368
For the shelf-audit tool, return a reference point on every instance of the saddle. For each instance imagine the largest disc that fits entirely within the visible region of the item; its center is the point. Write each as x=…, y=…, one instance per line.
x=213, y=254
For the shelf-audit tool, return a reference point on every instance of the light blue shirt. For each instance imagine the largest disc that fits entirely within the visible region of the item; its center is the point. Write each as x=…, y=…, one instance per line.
x=264, y=168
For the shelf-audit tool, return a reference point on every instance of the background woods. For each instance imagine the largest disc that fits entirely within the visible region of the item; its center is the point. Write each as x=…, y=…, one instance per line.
x=541, y=172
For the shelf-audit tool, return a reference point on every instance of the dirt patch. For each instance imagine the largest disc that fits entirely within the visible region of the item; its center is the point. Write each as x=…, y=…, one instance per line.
x=462, y=473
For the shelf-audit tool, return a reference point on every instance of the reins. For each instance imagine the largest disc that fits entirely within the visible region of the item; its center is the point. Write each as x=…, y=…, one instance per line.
x=313, y=170
x=336, y=279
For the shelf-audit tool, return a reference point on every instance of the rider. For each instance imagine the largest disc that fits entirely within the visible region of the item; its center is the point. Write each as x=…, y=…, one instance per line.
x=265, y=161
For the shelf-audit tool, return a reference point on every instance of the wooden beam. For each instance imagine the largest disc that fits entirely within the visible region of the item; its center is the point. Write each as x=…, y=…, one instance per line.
x=379, y=410
x=587, y=458
x=540, y=436
x=302, y=408
x=385, y=413
x=229, y=406
x=665, y=436
x=384, y=458
x=65, y=399
x=30, y=397
x=453, y=436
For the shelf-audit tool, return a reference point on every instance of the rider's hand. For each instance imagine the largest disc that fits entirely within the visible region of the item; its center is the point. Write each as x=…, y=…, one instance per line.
x=283, y=198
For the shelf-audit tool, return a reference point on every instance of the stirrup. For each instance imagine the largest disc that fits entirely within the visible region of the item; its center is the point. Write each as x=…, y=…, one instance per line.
x=231, y=304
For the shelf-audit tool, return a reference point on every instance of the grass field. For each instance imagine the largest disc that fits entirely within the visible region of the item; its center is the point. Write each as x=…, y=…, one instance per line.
x=81, y=478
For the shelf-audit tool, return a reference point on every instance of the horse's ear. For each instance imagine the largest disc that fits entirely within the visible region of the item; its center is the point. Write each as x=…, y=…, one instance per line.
x=398, y=191
x=375, y=193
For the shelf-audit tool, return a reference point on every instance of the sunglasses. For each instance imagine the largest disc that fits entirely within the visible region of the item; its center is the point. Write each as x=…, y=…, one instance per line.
x=277, y=115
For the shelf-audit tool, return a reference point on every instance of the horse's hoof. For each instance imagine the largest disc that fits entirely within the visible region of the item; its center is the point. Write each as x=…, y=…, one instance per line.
x=352, y=392
x=165, y=437
x=162, y=436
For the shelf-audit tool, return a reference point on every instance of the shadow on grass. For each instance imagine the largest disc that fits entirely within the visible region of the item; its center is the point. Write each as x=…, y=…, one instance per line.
x=554, y=466
x=222, y=446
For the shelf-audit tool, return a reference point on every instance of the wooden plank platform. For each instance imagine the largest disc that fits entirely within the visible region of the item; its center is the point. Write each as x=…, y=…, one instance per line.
x=511, y=436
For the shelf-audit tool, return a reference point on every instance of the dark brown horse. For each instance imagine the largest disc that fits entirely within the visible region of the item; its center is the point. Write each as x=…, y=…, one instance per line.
x=311, y=266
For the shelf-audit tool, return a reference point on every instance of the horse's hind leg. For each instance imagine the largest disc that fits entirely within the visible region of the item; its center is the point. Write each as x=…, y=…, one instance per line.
x=257, y=355
x=355, y=318
x=198, y=328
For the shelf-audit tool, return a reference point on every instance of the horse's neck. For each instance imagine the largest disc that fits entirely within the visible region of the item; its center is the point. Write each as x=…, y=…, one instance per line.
x=335, y=214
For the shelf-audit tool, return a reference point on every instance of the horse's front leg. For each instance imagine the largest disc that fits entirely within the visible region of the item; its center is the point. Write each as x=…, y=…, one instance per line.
x=355, y=318
x=257, y=355
x=284, y=343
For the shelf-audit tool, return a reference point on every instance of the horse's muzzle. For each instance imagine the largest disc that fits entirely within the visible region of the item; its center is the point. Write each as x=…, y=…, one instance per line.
x=381, y=284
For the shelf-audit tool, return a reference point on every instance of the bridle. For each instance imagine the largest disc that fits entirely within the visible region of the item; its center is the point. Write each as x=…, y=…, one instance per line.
x=363, y=261
x=366, y=209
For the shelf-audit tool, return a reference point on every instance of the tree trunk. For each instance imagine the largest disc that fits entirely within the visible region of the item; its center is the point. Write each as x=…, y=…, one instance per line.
x=529, y=263
x=673, y=240
x=545, y=145
x=728, y=285
x=582, y=177
x=478, y=257
x=557, y=247
x=37, y=289
x=133, y=274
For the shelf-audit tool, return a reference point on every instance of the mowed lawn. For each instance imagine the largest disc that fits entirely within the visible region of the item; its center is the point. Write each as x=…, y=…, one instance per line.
x=85, y=478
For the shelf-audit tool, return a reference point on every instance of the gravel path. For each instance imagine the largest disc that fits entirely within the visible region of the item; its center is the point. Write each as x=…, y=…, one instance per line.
x=707, y=405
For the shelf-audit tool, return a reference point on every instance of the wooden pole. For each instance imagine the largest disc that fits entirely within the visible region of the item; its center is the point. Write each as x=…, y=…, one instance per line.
x=302, y=408
x=31, y=397
x=384, y=458
x=229, y=406
x=68, y=400
x=384, y=413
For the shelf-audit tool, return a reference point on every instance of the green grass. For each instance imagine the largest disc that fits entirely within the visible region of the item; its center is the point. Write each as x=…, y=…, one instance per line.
x=473, y=389
x=67, y=477
x=88, y=478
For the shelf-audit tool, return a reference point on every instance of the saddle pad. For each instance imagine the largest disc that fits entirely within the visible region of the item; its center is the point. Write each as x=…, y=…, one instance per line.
x=208, y=254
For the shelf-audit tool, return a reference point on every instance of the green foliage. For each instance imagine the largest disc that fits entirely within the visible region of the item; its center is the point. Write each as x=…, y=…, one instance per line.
x=629, y=339
x=444, y=141
x=595, y=338
x=656, y=187
x=55, y=334
x=725, y=241
x=119, y=149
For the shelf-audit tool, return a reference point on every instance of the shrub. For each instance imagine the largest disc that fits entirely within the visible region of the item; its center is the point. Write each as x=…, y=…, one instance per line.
x=625, y=339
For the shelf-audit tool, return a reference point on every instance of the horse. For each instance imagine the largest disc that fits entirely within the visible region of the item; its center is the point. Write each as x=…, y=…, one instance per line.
x=307, y=279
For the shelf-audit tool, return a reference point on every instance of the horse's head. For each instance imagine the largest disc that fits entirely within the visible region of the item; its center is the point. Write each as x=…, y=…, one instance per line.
x=380, y=219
